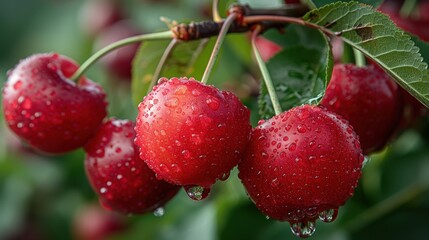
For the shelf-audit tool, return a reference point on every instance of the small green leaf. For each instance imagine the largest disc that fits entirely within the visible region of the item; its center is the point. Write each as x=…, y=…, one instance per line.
x=300, y=72
x=179, y=64
x=374, y=34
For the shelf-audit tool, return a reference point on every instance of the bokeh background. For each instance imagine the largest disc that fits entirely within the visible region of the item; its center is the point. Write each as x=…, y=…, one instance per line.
x=49, y=197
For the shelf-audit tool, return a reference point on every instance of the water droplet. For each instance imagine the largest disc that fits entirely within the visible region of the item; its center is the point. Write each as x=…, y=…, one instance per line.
x=275, y=182
x=118, y=150
x=225, y=176
x=292, y=147
x=196, y=139
x=213, y=103
x=159, y=212
x=119, y=176
x=162, y=80
x=197, y=193
x=303, y=229
x=264, y=155
x=103, y=190
x=172, y=102
x=328, y=215
x=186, y=153
x=180, y=90
x=195, y=92
x=17, y=85
x=301, y=128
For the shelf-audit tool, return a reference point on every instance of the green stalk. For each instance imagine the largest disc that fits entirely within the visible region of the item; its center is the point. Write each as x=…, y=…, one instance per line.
x=226, y=25
x=144, y=37
x=359, y=58
x=265, y=74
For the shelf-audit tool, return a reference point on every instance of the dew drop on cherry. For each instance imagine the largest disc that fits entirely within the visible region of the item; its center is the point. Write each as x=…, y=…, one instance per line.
x=303, y=229
x=197, y=193
x=213, y=103
x=328, y=215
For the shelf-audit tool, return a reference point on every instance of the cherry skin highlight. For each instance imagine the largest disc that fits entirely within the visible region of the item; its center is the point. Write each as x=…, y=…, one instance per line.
x=121, y=179
x=301, y=163
x=190, y=133
x=369, y=99
x=46, y=109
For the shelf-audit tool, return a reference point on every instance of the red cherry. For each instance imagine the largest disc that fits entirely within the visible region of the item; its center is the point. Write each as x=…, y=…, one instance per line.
x=301, y=165
x=47, y=110
x=122, y=180
x=369, y=99
x=119, y=62
x=94, y=223
x=267, y=48
x=97, y=15
x=190, y=133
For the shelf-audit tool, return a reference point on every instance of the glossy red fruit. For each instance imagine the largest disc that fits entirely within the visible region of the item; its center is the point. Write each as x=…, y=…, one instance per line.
x=97, y=15
x=119, y=62
x=121, y=179
x=424, y=11
x=93, y=223
x=267, y=48
x=190, y=133
x=46, y=109
x=301, y=165
x=369, y=99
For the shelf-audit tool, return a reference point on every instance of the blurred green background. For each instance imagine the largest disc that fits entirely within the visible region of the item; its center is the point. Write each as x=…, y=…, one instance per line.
x=45, y=197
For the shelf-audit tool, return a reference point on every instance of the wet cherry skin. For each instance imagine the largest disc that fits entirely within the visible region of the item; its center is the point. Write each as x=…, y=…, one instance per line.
x=121, y=179
x=190, y=133
x=301, y=163
x=369, y=99
x=46, y=109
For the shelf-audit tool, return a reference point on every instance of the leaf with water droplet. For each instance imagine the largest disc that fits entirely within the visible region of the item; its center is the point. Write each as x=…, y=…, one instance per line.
x=300, y=72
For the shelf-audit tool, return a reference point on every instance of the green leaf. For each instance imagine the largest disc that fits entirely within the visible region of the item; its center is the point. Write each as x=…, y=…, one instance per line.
x=320, y=3
x=179, y=64
x=374, y=34
x=300, y=72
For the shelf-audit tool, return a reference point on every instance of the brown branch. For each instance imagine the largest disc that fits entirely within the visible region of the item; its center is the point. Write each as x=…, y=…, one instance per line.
x=205, y=29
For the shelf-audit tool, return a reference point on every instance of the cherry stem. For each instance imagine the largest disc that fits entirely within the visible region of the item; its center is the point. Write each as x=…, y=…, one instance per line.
x=215, y=11
x=388, y=205
x=225, y=27
x=284, y=19
x=265, y=74
x=135, y=39
x=359, y=58
x=161, y=63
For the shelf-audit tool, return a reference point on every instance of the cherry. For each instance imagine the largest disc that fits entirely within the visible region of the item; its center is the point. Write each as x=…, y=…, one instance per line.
x=46, y=109
x=97, y=15
x=300, y=165
x=191, y=134
x=119, y=62
x=93, y=223
x=122, y=180
x=267, y=48
x=369, y=99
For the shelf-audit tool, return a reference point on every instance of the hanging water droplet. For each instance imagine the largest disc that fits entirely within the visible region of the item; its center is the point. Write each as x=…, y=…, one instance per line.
x=301, y=128
x=328, y=215
x=159, y=212
x=303, y=229
x=366, y=159
x=197, y=193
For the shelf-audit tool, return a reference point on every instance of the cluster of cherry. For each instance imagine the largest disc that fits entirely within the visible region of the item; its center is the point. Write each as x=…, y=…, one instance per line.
x=298, y=166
